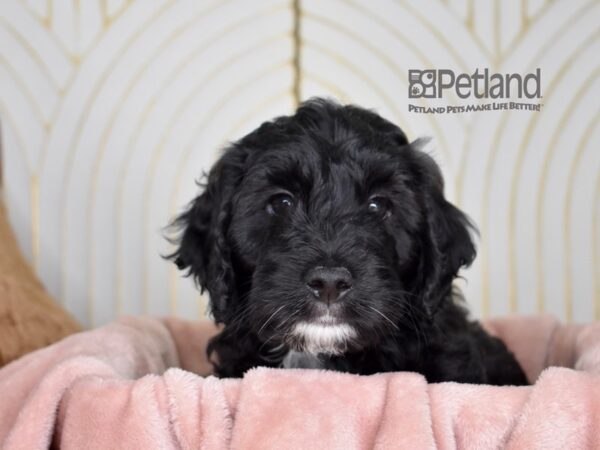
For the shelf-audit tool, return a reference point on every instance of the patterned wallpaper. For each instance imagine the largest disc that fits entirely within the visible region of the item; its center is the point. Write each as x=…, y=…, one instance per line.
x=111, y=109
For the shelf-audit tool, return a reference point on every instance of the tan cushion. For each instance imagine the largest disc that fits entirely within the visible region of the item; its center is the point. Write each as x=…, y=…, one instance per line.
x=29, y=317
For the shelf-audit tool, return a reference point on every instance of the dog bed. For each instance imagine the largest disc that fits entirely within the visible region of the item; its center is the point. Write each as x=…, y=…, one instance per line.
x=144, y=383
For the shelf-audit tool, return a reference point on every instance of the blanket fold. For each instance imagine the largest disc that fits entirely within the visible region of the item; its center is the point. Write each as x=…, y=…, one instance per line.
x=145, y=383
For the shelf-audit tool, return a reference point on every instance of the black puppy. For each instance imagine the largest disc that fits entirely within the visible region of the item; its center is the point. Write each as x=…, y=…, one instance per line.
x=324, y=240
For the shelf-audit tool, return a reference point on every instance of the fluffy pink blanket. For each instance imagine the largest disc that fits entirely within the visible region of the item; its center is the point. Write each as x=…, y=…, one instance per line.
x=144, y=383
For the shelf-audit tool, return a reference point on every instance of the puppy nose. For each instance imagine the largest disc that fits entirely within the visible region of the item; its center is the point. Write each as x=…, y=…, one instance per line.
x=329, y=284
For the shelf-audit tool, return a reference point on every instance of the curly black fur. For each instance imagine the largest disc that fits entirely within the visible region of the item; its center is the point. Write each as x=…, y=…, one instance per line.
x=329, y=161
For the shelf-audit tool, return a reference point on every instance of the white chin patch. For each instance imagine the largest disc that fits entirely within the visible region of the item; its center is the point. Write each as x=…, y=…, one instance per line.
x=322, y=338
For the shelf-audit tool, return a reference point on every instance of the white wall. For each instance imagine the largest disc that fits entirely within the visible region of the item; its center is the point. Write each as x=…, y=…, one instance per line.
x=110, y=110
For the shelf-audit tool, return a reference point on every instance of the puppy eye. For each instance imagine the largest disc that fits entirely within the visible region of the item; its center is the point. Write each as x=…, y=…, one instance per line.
x=379, y=206
x=280, y=204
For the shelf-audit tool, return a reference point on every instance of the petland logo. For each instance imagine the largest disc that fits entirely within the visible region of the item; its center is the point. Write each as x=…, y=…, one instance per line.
x=435, y=84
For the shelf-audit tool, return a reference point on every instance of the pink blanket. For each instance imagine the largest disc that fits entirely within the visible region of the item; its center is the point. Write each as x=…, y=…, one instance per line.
x=144, y=383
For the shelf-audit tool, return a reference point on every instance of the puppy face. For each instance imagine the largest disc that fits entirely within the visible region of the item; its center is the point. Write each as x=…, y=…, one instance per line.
x=323, y=232
x=325, y=229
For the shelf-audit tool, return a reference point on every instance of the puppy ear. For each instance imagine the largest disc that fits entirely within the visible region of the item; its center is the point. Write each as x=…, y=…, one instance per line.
x=203, y=245
x=446, y=242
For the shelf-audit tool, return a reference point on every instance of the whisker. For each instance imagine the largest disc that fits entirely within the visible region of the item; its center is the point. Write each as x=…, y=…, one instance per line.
x=271, y=317
x=384, y=316
x=266, y=342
